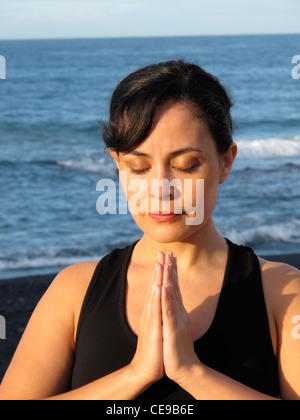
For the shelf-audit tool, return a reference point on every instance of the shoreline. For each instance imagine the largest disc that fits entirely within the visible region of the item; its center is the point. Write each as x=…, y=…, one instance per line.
x=19, y=297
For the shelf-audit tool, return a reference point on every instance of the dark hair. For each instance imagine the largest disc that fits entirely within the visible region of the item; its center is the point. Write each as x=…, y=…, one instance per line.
x=136, y=98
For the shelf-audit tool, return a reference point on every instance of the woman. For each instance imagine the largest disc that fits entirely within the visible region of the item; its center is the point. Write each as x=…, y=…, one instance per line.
x=182, y=313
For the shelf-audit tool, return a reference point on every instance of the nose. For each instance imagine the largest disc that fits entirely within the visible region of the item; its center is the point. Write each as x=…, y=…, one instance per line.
x=160, y=180
x=161, y=170
x=161, y=192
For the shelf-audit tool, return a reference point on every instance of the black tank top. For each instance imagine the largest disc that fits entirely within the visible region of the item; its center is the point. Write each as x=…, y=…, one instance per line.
x=238, y=343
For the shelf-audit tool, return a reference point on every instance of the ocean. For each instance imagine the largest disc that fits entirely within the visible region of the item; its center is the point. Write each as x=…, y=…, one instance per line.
x=52, y=104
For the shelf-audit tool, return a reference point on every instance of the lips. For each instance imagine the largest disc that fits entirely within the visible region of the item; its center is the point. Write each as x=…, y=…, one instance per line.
x=164, y=214
x=160, y=217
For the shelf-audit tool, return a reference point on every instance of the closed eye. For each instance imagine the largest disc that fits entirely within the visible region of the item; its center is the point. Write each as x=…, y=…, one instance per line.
x=139, y=171
x=143, y=171
x=188, y=170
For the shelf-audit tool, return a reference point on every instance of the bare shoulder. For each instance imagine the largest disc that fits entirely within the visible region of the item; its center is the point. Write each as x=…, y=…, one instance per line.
x=72, y=284
x=51, y=331
x=75, y=278
x=65, y=296
x=281, y=283
x=279, y=273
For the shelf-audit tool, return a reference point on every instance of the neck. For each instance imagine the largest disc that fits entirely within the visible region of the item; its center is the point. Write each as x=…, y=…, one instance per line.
x=197, y=249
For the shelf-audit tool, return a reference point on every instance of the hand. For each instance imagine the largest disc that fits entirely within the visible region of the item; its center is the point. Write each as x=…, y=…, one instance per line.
x=148, y=359
x=178, y=344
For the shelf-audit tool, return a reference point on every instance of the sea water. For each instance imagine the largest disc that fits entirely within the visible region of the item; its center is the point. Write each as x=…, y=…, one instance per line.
x=52, y=103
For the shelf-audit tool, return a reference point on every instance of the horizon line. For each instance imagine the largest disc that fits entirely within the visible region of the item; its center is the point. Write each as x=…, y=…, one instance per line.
x=146, y=37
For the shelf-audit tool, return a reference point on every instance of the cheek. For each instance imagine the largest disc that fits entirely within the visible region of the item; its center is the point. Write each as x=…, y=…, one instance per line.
x=205, y=193
x=136, y=192
x=211, y=194
x=212, y=191
x=209, y=173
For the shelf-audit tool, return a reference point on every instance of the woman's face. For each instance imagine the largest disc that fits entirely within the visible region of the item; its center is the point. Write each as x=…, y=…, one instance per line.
x=179, y=147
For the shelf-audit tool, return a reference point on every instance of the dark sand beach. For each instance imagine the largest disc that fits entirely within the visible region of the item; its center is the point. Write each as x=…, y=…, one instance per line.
x=19, y=297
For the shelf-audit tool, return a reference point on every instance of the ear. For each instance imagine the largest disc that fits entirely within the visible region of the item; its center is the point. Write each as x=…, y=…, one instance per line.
x=226, y=162
x=115, y=157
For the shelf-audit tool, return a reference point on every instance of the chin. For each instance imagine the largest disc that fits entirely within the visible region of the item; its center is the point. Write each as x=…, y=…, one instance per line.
x=165, y=233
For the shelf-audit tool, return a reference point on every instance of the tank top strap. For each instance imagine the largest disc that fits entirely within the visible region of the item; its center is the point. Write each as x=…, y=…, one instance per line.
x=242, y=263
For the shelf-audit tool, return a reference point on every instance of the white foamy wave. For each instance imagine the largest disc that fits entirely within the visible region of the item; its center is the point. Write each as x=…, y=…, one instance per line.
x=43, y=262
x=265, y=234
x=269, y=148
x=55, y=257
x=88, y=164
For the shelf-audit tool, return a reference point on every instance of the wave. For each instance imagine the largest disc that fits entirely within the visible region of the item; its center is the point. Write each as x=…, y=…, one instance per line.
x=55, y=258
x=247, y=149
x=25, y=263
x=269, y=148
x=260, y=123
x=90, y=164
x=28, y=162
x=265, y=235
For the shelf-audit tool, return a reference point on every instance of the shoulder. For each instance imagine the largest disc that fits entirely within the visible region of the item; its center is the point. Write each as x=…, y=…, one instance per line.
x=281, y=284
x=281, y=278
x=75, y=278
x=66, y=293
x=50, y=331
x=63, y=299
x=71, y=285
x=282, y=287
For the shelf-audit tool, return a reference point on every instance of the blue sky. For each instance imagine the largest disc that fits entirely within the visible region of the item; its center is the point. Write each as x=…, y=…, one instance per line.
x=38, y=19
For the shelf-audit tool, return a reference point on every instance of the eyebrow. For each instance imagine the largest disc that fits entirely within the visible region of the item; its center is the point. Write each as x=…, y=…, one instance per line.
x=173, y=154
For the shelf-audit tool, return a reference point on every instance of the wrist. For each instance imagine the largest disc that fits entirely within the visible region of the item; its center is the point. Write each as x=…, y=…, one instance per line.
x=191, y=374
x=141, y=377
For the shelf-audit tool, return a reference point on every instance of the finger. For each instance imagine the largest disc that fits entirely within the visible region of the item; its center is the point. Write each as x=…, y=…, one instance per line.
x=168, y=267
x=168, y=307
x=173, y=279
x=171, y=260
x=156, y=277
x=160, y=258
x=152, y=302
x=155, y=313
x=167, y=274
x=156, y=280
x=169, y=257
x=175, y=263
x=153, y=321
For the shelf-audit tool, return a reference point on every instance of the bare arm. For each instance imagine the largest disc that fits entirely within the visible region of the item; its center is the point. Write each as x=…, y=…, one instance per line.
x=42, y=365
x=124, y=384
x=182, y=365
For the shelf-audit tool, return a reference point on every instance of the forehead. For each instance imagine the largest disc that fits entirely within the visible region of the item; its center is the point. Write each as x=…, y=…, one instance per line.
x=171, y=117
x=175, y=126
